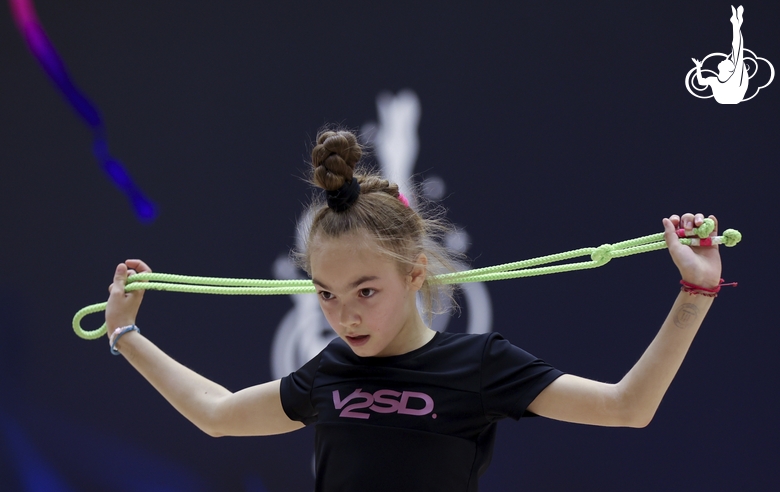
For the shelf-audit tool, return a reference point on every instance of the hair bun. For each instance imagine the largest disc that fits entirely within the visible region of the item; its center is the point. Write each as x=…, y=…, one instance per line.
x=334, y=158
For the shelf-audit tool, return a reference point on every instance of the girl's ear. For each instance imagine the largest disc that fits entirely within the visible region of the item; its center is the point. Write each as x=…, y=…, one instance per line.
x=419, y=272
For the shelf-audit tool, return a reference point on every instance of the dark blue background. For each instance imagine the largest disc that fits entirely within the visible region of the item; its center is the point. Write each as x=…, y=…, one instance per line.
x=556, y=125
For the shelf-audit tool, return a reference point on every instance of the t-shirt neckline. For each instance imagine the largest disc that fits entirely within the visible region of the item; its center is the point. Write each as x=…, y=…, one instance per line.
x=395, y=358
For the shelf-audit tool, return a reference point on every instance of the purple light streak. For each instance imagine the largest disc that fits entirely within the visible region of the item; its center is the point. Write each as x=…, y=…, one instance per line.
x=23, y=12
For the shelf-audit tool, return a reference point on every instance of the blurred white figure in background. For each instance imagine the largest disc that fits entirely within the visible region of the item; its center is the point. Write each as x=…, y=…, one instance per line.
x=394, y=138
x=304, y=332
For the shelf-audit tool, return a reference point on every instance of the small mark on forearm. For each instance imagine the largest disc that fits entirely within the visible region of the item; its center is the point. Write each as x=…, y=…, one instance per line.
x=686, y=316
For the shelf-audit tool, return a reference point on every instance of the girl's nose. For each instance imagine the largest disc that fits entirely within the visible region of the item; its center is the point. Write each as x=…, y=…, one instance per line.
x=348, y=317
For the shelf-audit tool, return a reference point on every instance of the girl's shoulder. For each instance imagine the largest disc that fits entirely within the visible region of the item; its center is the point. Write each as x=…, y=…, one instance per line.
x=469, y=339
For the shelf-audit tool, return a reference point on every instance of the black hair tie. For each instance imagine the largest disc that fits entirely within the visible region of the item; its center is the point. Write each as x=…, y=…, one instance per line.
x=343, y=198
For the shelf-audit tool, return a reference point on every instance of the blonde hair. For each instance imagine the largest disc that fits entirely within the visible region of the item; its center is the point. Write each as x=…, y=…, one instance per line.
x=399, y=231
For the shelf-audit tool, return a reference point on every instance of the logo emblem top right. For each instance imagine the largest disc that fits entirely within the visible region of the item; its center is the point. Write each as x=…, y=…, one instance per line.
x=729, y=85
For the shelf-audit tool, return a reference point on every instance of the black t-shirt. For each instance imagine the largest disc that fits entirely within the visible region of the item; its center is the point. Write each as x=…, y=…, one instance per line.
x=421, y=421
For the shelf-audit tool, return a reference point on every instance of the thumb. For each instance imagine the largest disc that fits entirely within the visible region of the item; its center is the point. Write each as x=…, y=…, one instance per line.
x=670, y=236
x=120, y=278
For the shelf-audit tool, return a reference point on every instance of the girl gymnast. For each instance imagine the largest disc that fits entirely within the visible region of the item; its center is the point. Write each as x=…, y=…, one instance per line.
x=397, y=405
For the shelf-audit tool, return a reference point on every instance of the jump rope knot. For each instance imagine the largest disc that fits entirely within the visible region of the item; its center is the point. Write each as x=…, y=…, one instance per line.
x=731, y=237
x=603, y=254
x=703, y=231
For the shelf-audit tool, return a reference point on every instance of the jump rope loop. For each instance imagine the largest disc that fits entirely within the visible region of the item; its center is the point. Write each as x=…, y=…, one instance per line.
x=699, y=237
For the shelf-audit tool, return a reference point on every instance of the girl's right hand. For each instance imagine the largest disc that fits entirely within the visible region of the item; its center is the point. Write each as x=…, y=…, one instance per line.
x=122, y=307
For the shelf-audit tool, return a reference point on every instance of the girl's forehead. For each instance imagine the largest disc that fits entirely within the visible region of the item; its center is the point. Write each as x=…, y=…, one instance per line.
x=344, y=270
x=349, y=251
x=354, y=242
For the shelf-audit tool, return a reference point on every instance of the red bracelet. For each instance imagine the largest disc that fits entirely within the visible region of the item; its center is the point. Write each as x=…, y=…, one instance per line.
x=698, y=290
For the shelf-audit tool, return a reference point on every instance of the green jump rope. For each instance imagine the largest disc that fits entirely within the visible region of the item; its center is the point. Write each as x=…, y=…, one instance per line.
x=526, y=268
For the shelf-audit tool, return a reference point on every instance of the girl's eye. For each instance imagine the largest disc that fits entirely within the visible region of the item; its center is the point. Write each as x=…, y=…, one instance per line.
x=325, y=295
x=367, y=292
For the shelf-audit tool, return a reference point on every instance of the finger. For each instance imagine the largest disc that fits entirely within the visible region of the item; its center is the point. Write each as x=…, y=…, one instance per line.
x=138, y=265
x=714, y=219
x=670, y=236
x=120, y=278
x=675, y=220
x=698, y=220
x=687, y=221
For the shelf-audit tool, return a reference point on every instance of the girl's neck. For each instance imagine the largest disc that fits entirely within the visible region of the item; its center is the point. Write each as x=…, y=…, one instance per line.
x=412, y=336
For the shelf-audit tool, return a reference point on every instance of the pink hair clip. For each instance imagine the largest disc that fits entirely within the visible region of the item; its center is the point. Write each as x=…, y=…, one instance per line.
x=403, y=199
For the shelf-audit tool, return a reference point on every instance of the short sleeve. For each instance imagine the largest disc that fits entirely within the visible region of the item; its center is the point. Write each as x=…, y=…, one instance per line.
x=295, y=392
x=511, y=378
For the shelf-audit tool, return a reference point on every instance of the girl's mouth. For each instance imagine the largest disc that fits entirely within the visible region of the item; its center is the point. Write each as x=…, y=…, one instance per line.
x=358, y=340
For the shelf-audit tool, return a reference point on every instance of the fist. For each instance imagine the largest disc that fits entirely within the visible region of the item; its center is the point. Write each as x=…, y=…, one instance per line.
x=122, y=306
x=698, y=265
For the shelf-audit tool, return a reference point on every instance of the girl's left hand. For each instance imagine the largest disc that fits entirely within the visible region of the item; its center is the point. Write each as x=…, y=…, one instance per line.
x=122, y=307
x=698, y=265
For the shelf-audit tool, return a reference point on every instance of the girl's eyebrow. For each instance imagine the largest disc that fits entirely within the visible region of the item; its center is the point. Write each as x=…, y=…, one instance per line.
x=365, y=278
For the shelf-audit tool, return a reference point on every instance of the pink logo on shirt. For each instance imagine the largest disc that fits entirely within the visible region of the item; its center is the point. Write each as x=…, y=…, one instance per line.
x=382, y=401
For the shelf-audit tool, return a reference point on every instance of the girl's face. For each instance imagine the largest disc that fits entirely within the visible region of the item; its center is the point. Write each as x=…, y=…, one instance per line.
x=366, y=299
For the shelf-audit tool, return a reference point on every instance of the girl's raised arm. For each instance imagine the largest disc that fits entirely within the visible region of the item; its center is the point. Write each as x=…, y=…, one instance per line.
x=212, y=408
x=633, y=401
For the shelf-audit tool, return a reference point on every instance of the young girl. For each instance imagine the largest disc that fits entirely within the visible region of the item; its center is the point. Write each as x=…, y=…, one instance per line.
x=396, y=405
